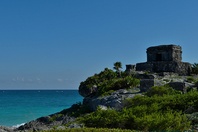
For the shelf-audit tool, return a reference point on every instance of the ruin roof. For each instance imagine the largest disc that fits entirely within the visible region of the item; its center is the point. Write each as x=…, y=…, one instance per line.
x=170, y=46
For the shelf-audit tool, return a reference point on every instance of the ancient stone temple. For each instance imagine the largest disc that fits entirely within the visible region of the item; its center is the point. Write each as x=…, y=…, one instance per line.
x=165, y=58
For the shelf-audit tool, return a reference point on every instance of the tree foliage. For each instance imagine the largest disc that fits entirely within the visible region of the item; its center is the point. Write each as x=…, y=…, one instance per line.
x=109, y=80
x=118, y=83
x=117, y=66
x=97, y=79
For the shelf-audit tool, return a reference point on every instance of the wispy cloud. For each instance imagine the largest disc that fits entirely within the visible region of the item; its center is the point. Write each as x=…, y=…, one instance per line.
x=60, y=80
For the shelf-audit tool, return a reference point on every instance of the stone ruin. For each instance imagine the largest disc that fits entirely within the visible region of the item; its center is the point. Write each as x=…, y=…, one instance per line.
x=162, y=59
x=165, y=58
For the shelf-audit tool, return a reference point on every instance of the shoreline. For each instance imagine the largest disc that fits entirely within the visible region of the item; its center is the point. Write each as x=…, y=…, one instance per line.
x=18, y=125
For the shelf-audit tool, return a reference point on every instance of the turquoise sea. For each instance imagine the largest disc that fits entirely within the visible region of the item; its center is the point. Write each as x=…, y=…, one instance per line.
x=20, y=106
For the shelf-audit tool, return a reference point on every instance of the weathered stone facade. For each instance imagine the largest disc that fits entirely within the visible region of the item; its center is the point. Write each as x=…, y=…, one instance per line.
x=165, y=58
x=164, y=53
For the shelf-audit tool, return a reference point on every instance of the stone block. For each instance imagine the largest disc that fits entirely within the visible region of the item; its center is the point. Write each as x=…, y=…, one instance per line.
x=146, y=84
x=178, y=86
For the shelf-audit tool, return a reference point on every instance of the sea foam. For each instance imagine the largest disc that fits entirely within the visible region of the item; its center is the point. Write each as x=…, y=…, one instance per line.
x=18, y=125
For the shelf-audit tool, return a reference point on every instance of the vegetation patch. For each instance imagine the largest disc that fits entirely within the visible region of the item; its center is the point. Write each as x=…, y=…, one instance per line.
x=161, y=90
x=190, y=79
x=109, y=80
x=142, y=118
x=91, y=130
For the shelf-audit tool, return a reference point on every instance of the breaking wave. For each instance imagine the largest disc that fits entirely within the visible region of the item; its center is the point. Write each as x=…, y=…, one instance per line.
x=18, y=125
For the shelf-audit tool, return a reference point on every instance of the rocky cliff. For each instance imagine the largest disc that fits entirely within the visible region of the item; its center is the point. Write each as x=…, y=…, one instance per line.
x=115, y=100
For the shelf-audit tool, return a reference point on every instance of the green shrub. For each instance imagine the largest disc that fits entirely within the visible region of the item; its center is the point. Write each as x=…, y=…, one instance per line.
x=117, y=83
x=143, y=118
x=107, y=93
x=161, y=90
x=90, y=130
x=127, y=82
x=102, y=119
x=166, y=121
x=97, y=79
x=177, y=102
x=109, y=80
x=190, y=79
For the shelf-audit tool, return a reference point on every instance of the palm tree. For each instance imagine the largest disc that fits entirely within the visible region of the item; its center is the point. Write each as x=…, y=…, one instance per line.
x=117, y=67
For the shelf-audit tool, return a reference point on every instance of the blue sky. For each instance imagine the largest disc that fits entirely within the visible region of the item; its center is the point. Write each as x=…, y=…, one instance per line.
x=50, y=44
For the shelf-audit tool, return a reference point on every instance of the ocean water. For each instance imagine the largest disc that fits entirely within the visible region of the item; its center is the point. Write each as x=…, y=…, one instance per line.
x=21, y=106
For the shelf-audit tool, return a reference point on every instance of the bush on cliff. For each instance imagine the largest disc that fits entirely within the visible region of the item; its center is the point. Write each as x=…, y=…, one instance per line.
x=117, y=83
x=105, y=81
x=86, y=87
x=143, y=118
x=90, y=130
x=161, y=90
x=176, y=102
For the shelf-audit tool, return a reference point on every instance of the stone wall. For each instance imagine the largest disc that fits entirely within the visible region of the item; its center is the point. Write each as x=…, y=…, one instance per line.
x=145, y=66
x=182, y=68
x=180, y=86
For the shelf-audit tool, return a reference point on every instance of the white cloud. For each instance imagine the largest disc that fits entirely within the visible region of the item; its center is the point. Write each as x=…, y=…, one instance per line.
x=60, y=80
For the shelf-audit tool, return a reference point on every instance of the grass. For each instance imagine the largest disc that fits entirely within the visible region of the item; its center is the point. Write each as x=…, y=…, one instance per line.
x=90, y=130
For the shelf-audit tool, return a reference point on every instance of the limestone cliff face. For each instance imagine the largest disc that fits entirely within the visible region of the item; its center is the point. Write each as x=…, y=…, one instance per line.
x=85, y=91
x=115, y=100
